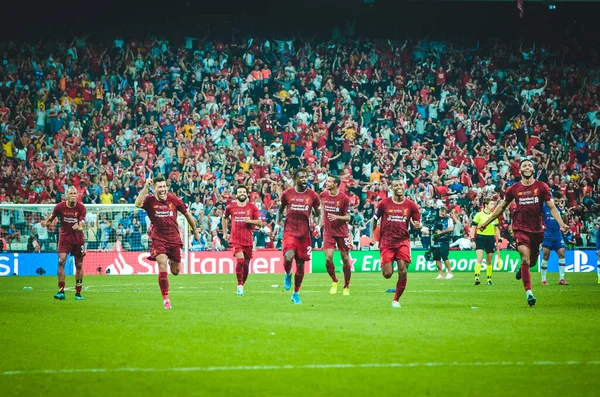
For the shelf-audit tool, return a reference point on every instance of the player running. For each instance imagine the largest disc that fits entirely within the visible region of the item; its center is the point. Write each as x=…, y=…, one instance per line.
x=334, y=205
x=297, y=201
x=527, y=220
x=162, y=208
x=396, y=214
x=243, y=216
x=485, y=241
x=553, y=241
x=70, y=241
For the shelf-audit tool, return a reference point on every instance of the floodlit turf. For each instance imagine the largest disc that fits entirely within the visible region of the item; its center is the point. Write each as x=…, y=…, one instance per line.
x=449, y=338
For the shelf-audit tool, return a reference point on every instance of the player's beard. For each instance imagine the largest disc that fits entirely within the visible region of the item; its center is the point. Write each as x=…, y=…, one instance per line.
x=242, y=199
x=527, y=176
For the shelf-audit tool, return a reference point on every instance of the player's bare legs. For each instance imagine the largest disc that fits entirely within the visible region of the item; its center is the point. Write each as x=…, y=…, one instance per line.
x=240, y=261
x=387, y=270
x=440, y=269
x=62, y=259
x=526, y=253
x=347, y=271
x=175, y=267
x=78, y=277
x=163, y=278
x=331, y=271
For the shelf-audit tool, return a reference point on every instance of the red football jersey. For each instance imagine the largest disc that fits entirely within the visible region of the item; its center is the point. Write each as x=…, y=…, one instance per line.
x=395, y=221
x=68, y=217
x=163, y=215
x=241, y=232
x=337, y=205
x=298, y=207
x=528, y=215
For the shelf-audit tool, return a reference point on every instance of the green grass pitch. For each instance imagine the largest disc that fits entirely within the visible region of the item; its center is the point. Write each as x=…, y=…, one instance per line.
x=449, y=338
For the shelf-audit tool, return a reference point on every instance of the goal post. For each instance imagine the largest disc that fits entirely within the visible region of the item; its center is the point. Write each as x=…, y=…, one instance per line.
x=113, y=234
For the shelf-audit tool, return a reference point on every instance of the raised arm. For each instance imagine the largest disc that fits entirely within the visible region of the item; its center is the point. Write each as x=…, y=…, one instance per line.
x=139, y=201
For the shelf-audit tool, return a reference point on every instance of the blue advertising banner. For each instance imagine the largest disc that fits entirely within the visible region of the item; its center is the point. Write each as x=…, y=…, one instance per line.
x=577, y=261
x=32, y=264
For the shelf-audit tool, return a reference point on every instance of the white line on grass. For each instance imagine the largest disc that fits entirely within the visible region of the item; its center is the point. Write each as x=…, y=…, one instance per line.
x=305, y=366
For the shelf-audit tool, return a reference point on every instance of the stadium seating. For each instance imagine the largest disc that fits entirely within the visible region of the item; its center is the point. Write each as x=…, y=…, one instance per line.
x=452, y=120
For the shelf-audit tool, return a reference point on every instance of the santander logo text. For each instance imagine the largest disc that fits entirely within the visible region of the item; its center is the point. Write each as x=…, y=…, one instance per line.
x=123, y=263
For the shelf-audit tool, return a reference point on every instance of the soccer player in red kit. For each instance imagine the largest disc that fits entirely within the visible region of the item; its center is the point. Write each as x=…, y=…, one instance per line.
x=244, y=216
x=297, y=201
x=70, y=241
x=527, y=219
x=162, y=208
x=334, y=205
x=396, y=214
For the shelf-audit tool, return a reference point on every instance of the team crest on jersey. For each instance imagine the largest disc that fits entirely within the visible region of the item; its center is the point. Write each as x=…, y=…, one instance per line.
x=535, y=191
x=520, y=194
x=337, y=203
x=307, y=200
x=170, y=206
x=406, y=211
x=156, y=206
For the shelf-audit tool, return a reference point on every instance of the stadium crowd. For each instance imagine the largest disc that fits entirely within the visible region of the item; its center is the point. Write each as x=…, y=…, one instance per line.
x=452, y=120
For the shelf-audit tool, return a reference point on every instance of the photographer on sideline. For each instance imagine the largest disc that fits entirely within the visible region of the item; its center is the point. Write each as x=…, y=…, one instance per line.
x=441, y=242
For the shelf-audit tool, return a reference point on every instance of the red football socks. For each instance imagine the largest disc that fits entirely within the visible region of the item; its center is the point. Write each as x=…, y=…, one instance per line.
x=246, y=270
x=298, y=277
x=347, y=275
x=331, y=270
x=400, y=287
x=61, y=286
x=239, y=270
x=526, y=277
x=163, y=282
x=78, y=284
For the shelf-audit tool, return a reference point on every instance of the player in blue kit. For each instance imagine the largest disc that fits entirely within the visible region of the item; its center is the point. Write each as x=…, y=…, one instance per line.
x=553, y=241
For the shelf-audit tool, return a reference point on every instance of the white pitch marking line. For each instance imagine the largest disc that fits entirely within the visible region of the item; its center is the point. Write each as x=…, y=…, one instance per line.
x=296, y=367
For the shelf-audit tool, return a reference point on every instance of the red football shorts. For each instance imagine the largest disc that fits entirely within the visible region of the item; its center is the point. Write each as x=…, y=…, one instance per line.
x=529, y=240
x=172, y=251
x=399, y=253
x=301, y=246
x=342, y=243
x=247, y=250
x=75, y=249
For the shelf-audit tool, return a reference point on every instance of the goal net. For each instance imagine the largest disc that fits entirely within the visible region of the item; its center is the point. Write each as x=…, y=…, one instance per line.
x=116, y=240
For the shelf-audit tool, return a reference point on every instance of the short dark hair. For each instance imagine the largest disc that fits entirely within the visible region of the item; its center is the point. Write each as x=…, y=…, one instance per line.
x=527, y=159
x=297, y=172
x=487, y=200
x=159, y=178
x=243, y=187
x=336, y=179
